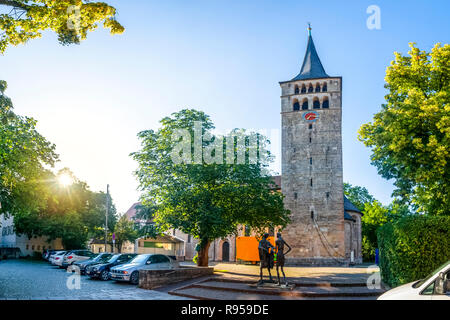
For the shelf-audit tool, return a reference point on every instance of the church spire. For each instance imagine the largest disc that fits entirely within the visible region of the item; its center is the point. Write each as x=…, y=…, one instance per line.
x=312, y=67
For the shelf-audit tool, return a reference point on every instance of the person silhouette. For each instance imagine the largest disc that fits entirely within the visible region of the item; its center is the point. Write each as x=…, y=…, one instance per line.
x=280, y=256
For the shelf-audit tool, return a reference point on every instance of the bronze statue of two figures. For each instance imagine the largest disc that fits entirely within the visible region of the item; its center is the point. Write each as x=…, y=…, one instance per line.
x=270, y=255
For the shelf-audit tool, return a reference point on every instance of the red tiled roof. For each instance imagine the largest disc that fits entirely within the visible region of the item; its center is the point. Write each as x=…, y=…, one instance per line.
x=131, y=213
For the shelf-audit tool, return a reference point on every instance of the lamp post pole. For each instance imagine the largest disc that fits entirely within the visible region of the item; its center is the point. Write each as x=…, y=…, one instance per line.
x=106, y=218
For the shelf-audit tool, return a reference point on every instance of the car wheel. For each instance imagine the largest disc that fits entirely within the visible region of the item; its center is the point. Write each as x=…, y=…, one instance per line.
x=134, y=278
x=104, y=275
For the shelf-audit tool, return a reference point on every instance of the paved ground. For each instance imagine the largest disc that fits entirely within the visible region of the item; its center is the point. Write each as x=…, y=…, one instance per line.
x=23, y=279
x=357, y=274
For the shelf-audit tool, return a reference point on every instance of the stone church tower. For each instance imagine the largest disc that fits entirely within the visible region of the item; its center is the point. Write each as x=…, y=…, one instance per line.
x=312, y=177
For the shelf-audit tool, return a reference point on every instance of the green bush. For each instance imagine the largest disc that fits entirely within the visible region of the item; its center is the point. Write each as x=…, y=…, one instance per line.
x=413, y=247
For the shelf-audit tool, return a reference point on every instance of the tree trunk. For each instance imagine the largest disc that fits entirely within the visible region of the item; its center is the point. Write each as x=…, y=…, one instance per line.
x=203, y=258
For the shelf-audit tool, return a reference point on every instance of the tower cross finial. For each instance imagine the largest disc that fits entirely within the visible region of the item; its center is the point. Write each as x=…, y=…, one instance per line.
x=309, y=28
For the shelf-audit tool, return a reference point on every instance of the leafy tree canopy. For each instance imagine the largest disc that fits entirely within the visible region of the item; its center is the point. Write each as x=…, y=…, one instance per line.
x=71, y=20
x=204, y=199
x=410, y=136
x=73, y=212
x=375, y=215
x=24, y=156
x=125, y=231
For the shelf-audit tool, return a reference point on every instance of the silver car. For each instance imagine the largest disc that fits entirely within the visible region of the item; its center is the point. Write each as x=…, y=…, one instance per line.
x=130, y=272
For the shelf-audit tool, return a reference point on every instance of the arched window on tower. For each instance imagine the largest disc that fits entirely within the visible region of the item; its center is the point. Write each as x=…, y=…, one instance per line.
x=316, y=103
x=317, y=87
x=297, y=90
x=311, y=88
x=305, y=105
x=324, y=87
x=303, y=88
x=325, y=103
x=296, y=105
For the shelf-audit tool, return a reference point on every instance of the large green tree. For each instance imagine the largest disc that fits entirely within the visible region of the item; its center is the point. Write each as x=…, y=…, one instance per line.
x=72, y=212
x=24, y=156
x=71, y=20
x=410, y=136
x=375, y=215
x=204, y=195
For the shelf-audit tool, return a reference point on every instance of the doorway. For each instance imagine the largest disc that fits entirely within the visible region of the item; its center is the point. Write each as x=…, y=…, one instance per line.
x=226, y=251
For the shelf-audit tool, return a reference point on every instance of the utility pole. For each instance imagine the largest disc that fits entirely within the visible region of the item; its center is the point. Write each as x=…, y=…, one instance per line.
x=106, y=217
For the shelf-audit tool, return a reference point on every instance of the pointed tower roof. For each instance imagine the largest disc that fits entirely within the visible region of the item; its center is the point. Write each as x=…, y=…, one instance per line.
x=312, y=67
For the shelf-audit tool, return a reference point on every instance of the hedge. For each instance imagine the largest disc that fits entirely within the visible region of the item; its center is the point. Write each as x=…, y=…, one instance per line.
x=412, y=247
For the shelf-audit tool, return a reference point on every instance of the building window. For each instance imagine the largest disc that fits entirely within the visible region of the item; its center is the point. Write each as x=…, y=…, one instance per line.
x=324, y=88
x=311, y=88
x=310, y=126
x=189, y=238
x=316, y=103
x=326, y=103
x=32, y=247
x=310, y=161
x=28, y=247
x=311, y=182
x=174, y=231
x=296, y=106
x=317, y=87
x=312, y=214
x=303, y=88
x=297, y=90
x=305, y=105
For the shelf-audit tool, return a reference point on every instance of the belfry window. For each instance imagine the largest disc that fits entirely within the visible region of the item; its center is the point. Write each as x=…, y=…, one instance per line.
x=316, y=104
x=305, y=105
x=324, y=88
x=296, y=106
x=311, y=88
x=317, y=87
x=297, y=90
x=303, y=88
x=326, y=103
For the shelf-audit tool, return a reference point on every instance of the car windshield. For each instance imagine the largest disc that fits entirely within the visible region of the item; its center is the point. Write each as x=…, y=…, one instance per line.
x=105, y=257
x=114, y=258
x=421, y=282
x=139, y=259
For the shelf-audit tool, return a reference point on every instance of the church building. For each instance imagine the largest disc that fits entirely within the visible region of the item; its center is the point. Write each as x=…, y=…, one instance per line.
x=325, y=227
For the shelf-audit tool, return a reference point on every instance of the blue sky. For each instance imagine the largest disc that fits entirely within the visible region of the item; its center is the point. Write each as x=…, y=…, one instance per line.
x=223, y=57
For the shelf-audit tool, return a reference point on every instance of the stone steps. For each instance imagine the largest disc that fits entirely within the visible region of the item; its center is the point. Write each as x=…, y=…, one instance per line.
x=227, y=289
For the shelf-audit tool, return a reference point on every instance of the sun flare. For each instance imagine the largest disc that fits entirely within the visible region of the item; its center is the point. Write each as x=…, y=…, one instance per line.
x=65, y=180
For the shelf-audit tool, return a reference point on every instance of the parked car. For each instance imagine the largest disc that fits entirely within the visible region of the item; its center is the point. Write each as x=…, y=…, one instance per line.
x=102, y=270
x=76, y=255
x=57, y=258
x=130, y=271
x=46, y=254
x=98, y=258
x=434, y=287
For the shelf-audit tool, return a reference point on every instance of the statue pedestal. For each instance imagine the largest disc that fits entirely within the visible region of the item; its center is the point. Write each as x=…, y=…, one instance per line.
x=273, y=286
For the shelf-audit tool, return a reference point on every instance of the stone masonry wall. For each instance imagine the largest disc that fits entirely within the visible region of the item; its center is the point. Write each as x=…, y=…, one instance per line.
x=150, y=279
x=313, y=153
